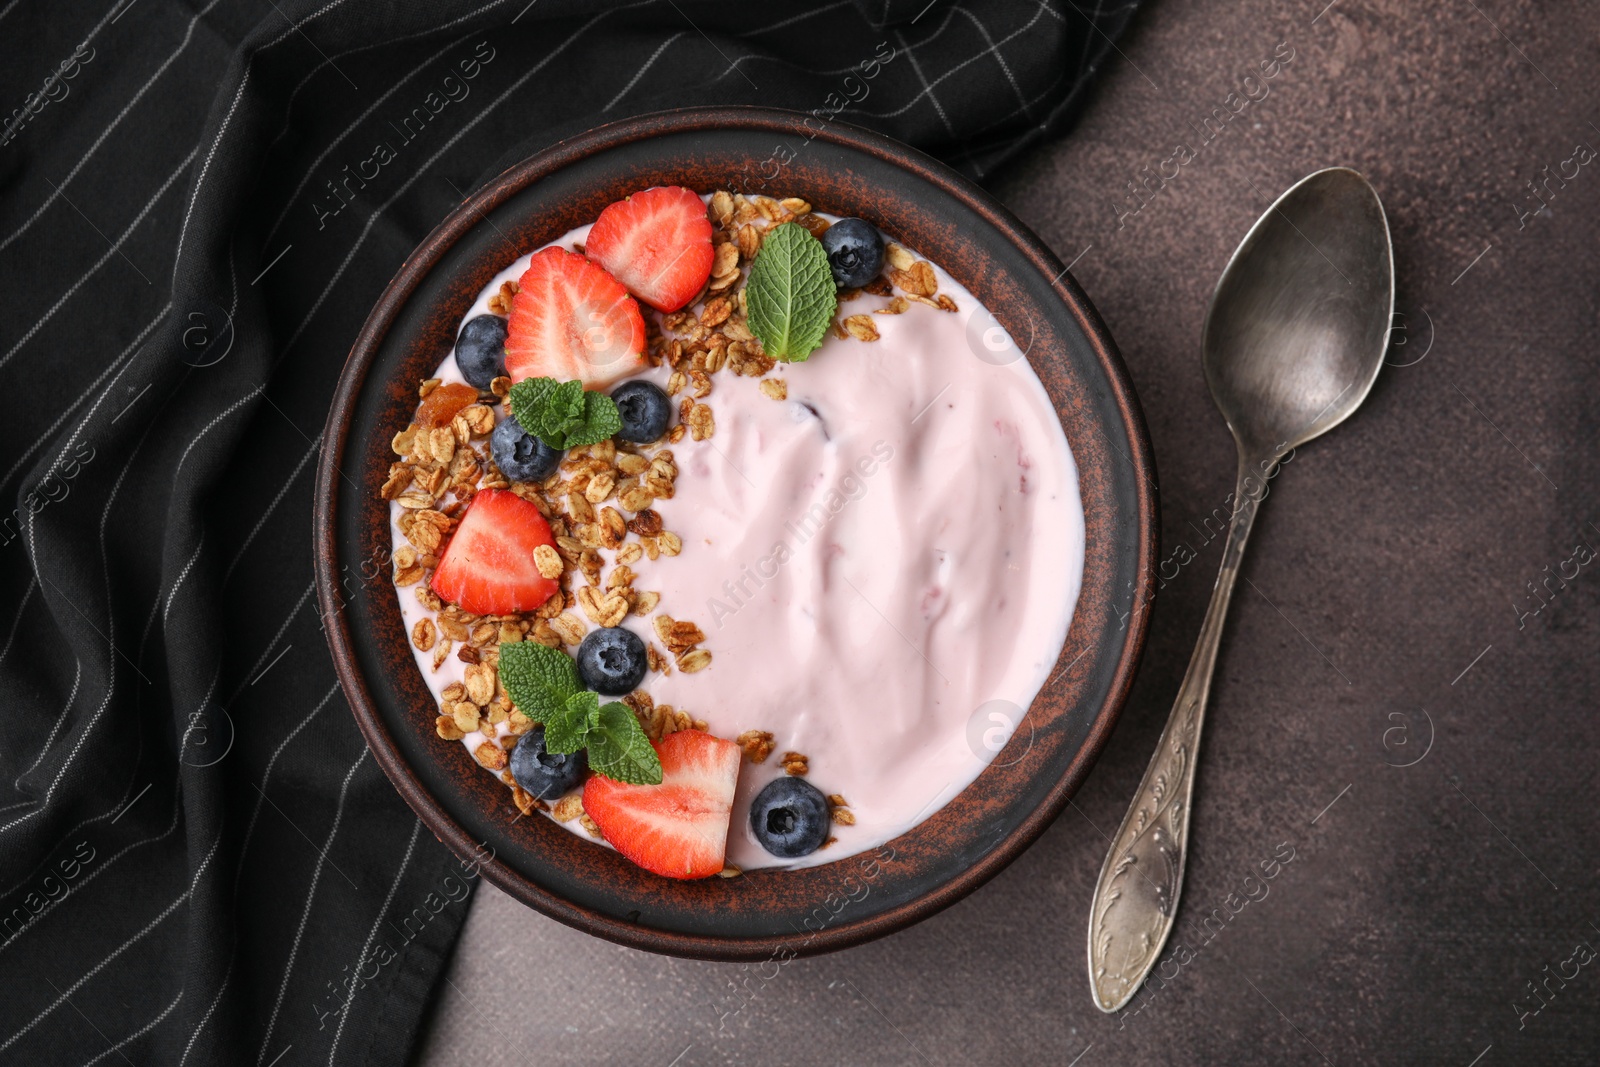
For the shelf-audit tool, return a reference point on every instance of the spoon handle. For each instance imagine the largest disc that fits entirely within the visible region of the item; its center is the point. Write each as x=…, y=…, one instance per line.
x=1137, y=895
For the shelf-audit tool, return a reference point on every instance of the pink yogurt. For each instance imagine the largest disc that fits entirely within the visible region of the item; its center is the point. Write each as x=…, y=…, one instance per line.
x=885, y=564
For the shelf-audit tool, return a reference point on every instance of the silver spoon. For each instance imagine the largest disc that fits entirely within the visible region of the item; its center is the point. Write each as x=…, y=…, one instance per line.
x=1292, y=343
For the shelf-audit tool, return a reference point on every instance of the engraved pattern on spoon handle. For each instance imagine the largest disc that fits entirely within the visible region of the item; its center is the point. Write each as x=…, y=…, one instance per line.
x=1137, y=894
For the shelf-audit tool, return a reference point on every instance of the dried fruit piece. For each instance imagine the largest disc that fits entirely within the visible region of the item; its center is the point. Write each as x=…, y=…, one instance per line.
x=442, y=404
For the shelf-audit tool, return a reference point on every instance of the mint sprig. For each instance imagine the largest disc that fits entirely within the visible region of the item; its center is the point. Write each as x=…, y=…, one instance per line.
x=544, y=685
x=567, y=730
x=790, y=293
x=563, y=414
x=539, y=679
x=618, y=747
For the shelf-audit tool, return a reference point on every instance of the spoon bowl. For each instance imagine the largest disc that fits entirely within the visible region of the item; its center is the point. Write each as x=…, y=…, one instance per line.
x=1300, y=320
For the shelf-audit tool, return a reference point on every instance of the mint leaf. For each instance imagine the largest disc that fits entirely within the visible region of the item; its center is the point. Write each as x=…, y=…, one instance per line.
x=601, y=419
x=539, y=680
x=619, y=749
x=528, y=399
x=559, y=408
x=562, y=414
x=568, y=730
x=564, y=409
x=791, y=293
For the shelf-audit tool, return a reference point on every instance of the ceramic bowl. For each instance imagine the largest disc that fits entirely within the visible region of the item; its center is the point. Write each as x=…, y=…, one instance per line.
x=926, y=206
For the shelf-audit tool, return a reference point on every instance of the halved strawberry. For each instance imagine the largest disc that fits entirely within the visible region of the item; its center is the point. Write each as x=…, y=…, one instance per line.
x=657, y=243
x=570, y=319
x=488, y=567
x=678, y=829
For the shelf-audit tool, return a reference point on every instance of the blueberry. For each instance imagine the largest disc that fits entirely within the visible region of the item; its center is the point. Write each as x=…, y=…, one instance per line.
x=645, y=411
x=521, y=456
x=790, y=817
x=481, y=350
x=547, y=775
x=855, y=252
x=611, y=661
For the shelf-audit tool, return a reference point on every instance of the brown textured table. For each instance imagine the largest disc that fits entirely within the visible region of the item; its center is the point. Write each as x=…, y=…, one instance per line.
x=1413, y=597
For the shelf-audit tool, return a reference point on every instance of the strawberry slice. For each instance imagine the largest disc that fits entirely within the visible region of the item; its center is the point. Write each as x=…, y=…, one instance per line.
x=488, y=567
x=657, y=243
x=570, y=319
x=678, y=829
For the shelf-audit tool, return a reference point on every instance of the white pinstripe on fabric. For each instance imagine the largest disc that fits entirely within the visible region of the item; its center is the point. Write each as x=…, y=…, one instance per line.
x=93, y=390
x=276, y=500
x=233, y=308
x=662, y=47
x=200, y=543
x=266, y=778
x=998, y=55
x=854, y=68
x=149, y=625
x=93, y=31
x=933, y=31
x=372, y=935
x=256, y=667
x=927, y=90
x=244, y=848
x=311, y=169
x=1094, y=20
x=301, y=84
x=135, y=939
x=432, y=29
x=1014, y=112
x=44, y=750
x=133, y=764
x=908, y=105
x=1051, y=87
x=177, y=583
x=205, y=168
x=792, y=19
x=105, y=567
x=111, y=629
x=311, y=895
x=98, y=141
x=61, y=719
x=77, y=886
x=83, y=735
x=315, y=163
x=206, y=1018
x=137, y=1034
x=86, y=275
x=229, y=410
